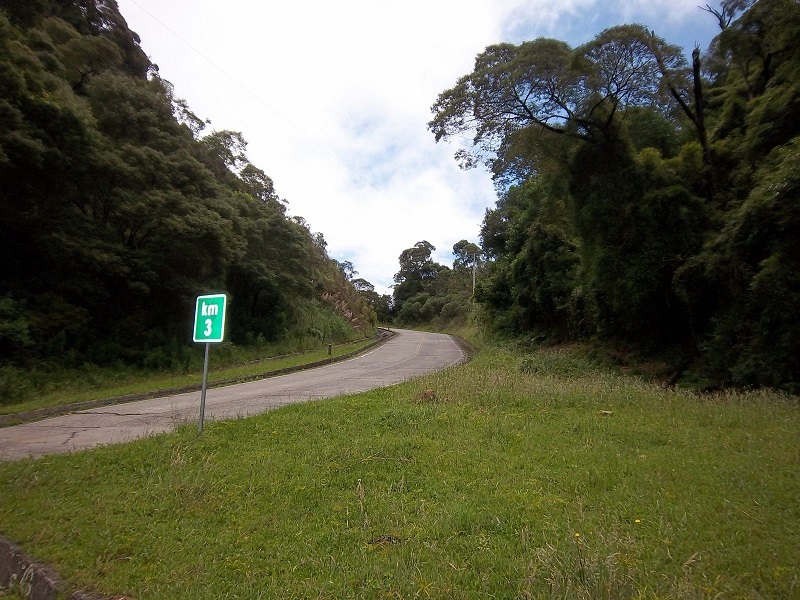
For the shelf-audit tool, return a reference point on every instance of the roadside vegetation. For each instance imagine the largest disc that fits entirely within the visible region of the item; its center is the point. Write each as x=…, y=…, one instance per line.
x=646, y=204
x=118, y=208
x=646, y=196
x=646, y=222
x=521, y=474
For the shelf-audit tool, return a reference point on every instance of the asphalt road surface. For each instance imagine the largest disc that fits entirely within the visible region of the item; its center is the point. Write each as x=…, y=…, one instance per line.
x=407, y=355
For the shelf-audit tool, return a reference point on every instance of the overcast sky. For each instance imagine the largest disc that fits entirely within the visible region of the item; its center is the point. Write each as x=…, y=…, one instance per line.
x=334, y=98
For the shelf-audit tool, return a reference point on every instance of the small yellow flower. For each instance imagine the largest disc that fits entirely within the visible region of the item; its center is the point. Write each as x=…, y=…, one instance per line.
x=577, y=535
x=638, y=521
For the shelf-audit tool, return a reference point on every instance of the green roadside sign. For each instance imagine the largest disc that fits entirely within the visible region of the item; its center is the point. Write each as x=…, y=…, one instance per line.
x=209, y=327
x=209, y=318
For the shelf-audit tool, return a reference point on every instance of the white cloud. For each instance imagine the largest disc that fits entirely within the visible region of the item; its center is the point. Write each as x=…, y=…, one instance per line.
x=334, y=98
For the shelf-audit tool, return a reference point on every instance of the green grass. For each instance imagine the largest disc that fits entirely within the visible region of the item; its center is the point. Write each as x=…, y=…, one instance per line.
x=517, y=477
x=11, y=594
x=92, y=383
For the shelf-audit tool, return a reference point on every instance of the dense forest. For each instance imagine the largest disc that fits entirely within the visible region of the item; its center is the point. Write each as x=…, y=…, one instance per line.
x=646, y=202
x=118, y=208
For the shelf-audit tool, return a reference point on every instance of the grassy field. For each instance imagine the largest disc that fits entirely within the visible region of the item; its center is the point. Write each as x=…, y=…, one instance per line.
x=92, y=383
x=513, y=476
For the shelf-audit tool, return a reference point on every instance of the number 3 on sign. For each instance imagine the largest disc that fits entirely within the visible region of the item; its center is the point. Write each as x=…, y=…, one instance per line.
x=208, y=329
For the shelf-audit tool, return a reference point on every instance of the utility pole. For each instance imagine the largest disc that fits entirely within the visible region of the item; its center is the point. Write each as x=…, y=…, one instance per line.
x=474, y=271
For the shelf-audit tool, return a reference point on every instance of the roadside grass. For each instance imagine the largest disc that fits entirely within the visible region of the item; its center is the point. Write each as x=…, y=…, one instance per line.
x=91, y=383
x=512, y=476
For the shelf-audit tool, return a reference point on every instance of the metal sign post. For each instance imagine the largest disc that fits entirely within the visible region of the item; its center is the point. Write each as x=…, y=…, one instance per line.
x=203, y=393
x=209, y=327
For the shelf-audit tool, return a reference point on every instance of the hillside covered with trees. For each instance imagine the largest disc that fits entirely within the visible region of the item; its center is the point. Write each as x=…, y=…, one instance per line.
x=645, y=202
x=118, y=207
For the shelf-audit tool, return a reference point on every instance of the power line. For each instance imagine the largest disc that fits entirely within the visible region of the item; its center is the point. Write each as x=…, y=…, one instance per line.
x=257, y=97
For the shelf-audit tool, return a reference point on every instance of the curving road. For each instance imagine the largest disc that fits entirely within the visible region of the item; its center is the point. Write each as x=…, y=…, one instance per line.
x=407, y=355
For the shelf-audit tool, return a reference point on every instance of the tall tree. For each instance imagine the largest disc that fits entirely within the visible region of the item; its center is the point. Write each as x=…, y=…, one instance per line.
x=467, y=254
x=544, y=84
x=417, y=271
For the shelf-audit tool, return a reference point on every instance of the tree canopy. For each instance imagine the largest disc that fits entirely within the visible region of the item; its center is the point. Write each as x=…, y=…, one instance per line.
x=645, y=201
x=117, y=210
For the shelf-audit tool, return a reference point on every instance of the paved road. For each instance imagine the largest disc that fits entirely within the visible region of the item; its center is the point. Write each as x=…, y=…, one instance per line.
x=408, y=354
